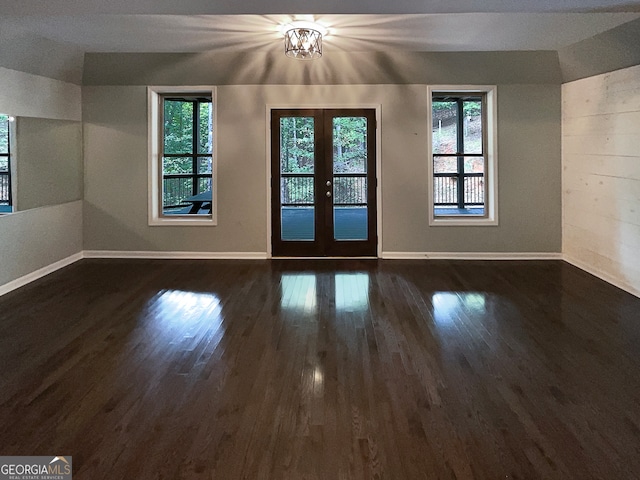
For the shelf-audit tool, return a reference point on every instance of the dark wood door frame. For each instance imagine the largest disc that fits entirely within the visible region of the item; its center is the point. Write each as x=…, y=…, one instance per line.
x=324, y=243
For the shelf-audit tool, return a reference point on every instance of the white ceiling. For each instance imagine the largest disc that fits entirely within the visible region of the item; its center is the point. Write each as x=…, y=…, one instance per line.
x=266, y=7
x=474, y=26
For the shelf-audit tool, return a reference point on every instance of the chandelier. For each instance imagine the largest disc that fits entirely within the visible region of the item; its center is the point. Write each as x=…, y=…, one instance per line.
x=303, y=42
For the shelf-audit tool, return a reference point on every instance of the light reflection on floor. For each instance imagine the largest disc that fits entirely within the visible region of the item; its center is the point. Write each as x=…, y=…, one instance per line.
x=352, y=291
x=179, y=315
x=300, y=291
x=448, y=307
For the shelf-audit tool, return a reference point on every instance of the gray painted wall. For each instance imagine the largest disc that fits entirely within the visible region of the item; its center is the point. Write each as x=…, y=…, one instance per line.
x=612, y=50
x=29, y=53
x=339, y=68
x=115, y=147
x=48, y=157
x=36, y=238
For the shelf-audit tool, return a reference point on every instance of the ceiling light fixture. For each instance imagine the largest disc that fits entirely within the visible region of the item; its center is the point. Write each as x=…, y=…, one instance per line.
x=303, y=40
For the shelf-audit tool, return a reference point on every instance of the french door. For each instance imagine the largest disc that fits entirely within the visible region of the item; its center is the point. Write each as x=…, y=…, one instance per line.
x=323, y=182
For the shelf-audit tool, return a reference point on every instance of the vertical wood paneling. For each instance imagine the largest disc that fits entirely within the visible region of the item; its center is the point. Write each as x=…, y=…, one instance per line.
x=601, y=175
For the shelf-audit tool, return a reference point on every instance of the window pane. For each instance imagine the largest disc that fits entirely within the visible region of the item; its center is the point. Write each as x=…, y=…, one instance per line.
x=349, y=145
x=4, y=164
x=445, y=130
x=446, y=185
x=474, y=169
x=175, y=191
x=205, y=145
x=459, y=172
x=453, y=211
x=445, y=190
x=4, y=133
x=205, y=165
x=297, y=150
x=178, y=126
x=445, y=164
x=473, y=165
x=474, y=190
x=177, y=165
x=472, y=125
x=204, y=184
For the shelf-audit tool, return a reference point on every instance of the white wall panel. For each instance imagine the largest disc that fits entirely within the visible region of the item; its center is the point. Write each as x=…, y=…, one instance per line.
x=601, y=175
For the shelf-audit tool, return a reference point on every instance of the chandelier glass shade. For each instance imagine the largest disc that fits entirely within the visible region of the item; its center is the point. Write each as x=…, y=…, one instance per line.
x=303, y=43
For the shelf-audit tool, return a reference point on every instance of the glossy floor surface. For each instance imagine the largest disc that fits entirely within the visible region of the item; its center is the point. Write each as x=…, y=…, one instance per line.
x=299, y=369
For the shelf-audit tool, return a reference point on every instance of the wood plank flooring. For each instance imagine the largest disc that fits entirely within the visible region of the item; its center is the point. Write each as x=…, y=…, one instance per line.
x=327, y=369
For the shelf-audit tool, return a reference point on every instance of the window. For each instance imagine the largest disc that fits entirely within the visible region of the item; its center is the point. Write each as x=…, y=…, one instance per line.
x=6, y=203
x=182, y=160
x=463, y=164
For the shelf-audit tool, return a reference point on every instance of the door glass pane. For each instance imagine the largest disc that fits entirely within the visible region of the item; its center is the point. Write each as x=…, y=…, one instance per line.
x=350, y=223
x=296, y=190
x=349, y=190
x=297, y=165
x=296, y=145
x=350, y=145
x=350, y=219
x=298, y=223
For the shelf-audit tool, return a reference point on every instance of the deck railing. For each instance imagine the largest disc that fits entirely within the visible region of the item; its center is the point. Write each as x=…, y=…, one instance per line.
x=298, y=189
x=178, y=187
x=446, y=189
x=5, y=188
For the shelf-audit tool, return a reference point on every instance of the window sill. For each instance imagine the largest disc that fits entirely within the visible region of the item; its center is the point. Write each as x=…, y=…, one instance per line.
x=462, y=222
x=204, y=221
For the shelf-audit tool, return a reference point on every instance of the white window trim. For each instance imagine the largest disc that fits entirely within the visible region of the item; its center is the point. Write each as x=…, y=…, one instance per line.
x=491, y=193
x=154, y=95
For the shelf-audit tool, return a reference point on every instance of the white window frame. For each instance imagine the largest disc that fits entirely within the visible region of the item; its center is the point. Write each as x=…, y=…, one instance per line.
x=154, y=104
x=491, y=174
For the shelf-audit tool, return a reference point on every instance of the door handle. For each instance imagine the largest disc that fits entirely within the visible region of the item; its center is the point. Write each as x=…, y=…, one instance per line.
x=328, y=183
x=328, y=194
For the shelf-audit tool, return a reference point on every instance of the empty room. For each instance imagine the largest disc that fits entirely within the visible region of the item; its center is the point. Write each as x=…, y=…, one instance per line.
x=292, y=240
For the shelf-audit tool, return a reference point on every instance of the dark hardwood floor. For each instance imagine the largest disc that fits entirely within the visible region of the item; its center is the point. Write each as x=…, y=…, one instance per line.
x=327, y=369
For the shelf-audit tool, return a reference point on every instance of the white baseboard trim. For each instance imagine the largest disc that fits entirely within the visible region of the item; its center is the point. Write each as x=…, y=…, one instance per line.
x=24, y=280
x=603, y=276
x=41, y=272
x=176, y=255
x=471, y=256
